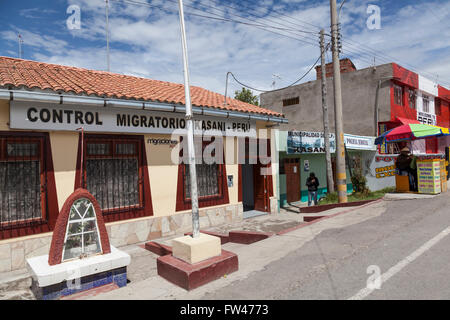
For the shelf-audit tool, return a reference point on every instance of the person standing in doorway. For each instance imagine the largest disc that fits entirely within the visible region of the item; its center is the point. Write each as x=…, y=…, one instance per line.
x=403, y=164
x=312, y=183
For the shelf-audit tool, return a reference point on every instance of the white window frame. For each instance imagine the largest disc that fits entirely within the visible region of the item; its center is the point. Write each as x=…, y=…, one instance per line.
x=82, y=220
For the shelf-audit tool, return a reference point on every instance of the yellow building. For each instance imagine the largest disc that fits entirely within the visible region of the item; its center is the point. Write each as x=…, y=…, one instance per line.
x=120, y=137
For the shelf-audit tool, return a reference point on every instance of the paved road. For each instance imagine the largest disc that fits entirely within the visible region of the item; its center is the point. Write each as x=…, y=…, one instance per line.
x=405, y=243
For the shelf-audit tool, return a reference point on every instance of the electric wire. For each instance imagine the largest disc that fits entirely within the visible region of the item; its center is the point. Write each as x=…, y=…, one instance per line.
x=293, y=83
x=355, y=49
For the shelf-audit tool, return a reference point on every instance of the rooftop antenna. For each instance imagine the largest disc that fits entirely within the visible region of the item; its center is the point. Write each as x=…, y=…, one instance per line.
x=107, y=35
x=274, y=80
x=19, y=37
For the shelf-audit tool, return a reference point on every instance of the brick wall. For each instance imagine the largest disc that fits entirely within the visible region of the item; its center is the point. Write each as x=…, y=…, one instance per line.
x=345, y=64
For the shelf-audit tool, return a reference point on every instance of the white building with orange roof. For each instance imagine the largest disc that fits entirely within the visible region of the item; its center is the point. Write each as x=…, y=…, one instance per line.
x=120, y=137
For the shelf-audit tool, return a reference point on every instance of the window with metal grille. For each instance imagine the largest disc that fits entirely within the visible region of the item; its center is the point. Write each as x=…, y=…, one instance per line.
x=426, y=103
x=22, y=186
x=112, y=172
x=291, y=101
x=437, y=106
x=208, y=177
x=209, y=173
x=412, y=98
x=398, y=95
x=212, y=186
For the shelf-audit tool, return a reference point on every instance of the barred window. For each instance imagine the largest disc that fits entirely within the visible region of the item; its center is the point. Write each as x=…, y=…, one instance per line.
x=209, y=172
x=112, y=172
x=398, y=95
x=412, y=98
x=426, y=103
x=22, y=179
x=291, y=101
x=437, y=107
x=208, y=177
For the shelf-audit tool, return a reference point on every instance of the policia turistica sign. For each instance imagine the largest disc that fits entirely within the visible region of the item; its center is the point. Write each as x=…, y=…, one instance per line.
x=56, y=117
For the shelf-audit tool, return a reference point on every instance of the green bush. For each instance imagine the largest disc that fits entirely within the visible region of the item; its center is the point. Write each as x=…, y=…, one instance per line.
x=359, y=183
x=330, y=198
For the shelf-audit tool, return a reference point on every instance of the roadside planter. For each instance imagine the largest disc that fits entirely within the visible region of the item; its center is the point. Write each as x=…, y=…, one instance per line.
x=80, y=256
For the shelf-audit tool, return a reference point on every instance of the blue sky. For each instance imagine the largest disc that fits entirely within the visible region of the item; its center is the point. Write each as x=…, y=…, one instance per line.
x=145, y=40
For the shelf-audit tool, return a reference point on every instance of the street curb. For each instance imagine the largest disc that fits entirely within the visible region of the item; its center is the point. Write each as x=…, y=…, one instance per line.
x=326, y=217
x=320, y=208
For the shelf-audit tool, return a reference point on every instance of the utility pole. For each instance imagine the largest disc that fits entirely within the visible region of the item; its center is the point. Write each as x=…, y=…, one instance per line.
x=341, y=177
x=326, y=128
x=107, y=36
x=19, y=36
x=190, y=130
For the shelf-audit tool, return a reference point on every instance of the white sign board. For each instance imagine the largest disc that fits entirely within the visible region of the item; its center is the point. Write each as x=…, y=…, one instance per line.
x=308, y=142
x=56, y=117
x=426, y=118
x=314, y=142
x=359, y=142
x=379, y=170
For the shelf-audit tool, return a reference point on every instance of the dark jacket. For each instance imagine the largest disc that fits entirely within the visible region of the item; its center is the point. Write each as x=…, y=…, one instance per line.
x=403, y=161
x=312, y=185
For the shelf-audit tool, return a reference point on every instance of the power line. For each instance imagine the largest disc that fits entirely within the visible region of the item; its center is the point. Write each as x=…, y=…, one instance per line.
x=375, y=52
x=356, y=49
x=295, y=82
x=219, y=17
x=236, y=15
x=302, y=22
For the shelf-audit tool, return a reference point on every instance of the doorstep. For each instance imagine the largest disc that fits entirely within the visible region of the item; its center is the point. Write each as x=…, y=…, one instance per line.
x=253, y=213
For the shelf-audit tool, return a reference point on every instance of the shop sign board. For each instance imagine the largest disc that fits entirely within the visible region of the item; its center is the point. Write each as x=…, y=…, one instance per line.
x=382, y=129
x=299, y=142
x=429, y=176
x=56, y=117
x=379, y=170
x=426, y=118
x=359, y=142
x=384, y=166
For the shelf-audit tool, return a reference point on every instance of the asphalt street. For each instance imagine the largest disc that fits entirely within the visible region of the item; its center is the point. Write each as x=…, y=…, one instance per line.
x=408, y=244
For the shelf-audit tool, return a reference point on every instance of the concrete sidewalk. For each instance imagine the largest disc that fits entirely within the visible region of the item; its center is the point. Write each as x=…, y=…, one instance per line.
x=146, y=284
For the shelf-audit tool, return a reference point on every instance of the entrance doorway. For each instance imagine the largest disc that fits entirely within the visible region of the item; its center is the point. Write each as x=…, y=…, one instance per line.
x=292, y=171
x=248, y=198
x=256, y=179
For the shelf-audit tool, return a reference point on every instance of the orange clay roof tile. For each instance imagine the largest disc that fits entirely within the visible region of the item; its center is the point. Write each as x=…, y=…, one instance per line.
x=32, y=74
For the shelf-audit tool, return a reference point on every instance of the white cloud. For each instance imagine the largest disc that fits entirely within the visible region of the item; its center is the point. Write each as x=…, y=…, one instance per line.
x=146, y=42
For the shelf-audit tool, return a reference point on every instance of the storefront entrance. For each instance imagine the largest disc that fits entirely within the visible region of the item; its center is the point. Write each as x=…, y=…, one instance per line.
x=248, y=198
x=256, y=184
x=292, y=171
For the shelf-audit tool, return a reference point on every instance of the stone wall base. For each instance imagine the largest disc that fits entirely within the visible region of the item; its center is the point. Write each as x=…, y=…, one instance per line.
x=14, y=252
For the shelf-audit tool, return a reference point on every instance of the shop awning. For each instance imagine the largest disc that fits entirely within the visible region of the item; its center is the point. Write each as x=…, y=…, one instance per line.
x=411, y=132
x=406, y=120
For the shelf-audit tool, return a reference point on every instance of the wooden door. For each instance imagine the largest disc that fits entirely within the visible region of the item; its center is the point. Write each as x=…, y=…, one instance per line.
x=261, y=188
x=292, y=170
